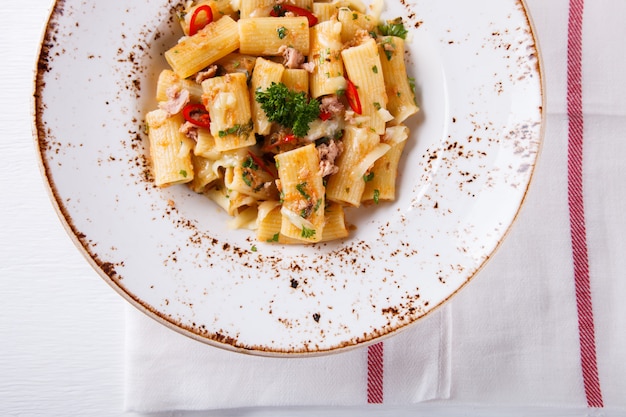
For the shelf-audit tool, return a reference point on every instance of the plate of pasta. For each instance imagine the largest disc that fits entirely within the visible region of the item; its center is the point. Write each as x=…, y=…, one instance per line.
x=288, y=177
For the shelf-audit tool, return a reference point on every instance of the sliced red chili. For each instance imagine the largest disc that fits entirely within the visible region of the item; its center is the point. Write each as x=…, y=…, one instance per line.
x=197, y=115
x=353, y=97
x=260, y=162
x=281, y=9
x=194, y=24
x=283, y=140
x=325, y=115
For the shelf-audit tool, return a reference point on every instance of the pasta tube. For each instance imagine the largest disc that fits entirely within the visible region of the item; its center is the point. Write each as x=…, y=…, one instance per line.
x=214, y=41
x=401, y=97
x=361, y=148
x=327, y=76
x=219, y=8
x=203, y=173
x=168, y=78
x=302, y=189
x=170, y=150
x=354, y=21
x=296, y=80
x=364, y=69
x=265, y=35
x=380, y=181
x=227, y=100
x=269, y=225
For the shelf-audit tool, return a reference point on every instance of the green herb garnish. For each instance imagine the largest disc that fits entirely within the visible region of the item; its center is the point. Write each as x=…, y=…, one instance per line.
x=288, y=108
x=238, y=130
x=307, y=233
x=302, y=190
x=393, y=28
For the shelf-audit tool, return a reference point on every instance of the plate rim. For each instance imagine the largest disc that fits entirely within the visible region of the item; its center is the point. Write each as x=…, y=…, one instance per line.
x=106, y=271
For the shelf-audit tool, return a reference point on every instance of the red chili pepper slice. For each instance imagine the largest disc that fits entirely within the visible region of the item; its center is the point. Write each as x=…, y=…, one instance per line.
x=194, y=25
x=280, y=9
x=353, y=97
x=325, y=115
x=197, y=115
x=257, y=160
x=281, y=141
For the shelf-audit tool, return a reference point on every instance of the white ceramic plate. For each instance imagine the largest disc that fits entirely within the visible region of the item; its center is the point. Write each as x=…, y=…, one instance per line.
x=462, y=180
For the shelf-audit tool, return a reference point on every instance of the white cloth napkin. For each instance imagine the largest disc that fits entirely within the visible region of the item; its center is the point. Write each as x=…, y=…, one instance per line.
x=168, y=371
x=528, y=331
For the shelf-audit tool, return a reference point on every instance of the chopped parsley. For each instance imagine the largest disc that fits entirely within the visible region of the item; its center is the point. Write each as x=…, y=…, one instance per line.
x=318, y=203
x=274, y=238
x=282, y=32
x=393, y=28
x=183, y=173
x=249, y=163
x=238, y=130
x=247, y=178
x=253, y=248
x=376, y=196
x=368, y=177
x=302, y=190
x=412, y=85
x=307, y=233
x=288, y=108
x=389, y=47
x=375, y=69
x=377, y=105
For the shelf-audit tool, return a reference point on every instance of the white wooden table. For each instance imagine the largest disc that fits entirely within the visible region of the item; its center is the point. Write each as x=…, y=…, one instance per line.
x=61, y=327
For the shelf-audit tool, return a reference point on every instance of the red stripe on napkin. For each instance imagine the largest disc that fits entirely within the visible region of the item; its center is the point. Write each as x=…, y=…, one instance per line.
x=586, y=331
x=375, y=367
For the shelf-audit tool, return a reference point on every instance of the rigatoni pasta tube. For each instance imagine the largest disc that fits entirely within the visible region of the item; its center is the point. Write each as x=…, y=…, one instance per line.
x=168, y=79
x=205, y=145
x=347, y=184
x=170, y=150
x=265, y=73
x=302, y=190
x=380, y=181
x=269, y=224
x=353, y=21
x=263, y=8
x=296, y=79
x=327, y=76
x=218, y=8
x=265, y=35
x=214, y=41
x=255, y=8
x=335, y=223
x=401, y=98
x=203, y=173
x=364, y=69
x=228, y=101
x=247, y=177
x=325, y=11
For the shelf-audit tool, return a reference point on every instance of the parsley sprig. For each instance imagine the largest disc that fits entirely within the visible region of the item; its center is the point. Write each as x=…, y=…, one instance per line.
x=288, y=108
x=393, y=28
